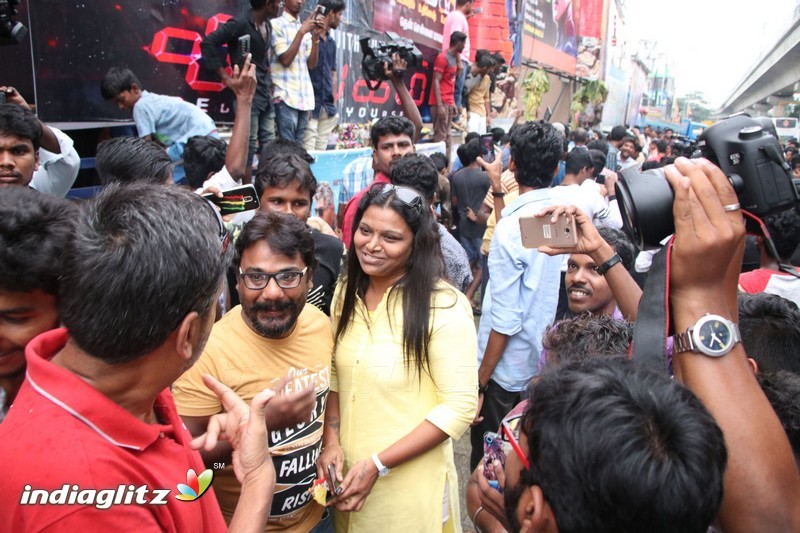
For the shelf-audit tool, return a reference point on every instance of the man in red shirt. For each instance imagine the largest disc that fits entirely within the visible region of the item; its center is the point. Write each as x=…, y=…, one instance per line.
x=442, y=99
x=93, y=436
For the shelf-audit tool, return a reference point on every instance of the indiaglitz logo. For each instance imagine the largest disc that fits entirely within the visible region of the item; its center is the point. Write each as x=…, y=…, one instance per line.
x=69, y=494
x=195, y=485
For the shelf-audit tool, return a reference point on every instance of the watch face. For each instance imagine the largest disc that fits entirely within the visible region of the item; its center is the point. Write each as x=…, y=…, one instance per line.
x=713, y=337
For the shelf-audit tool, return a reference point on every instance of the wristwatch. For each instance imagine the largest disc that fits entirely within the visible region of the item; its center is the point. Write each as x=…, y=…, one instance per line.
x=382, y=470
x=712, y=335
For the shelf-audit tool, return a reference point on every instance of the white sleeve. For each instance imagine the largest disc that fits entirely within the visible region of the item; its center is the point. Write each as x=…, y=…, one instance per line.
x=57, y=172
x=222, y=180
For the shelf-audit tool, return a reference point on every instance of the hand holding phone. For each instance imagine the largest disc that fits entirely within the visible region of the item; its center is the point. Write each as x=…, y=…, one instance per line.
x=235, y=200
x=244, y=49
x=540, y=231
x=487, y=147
x=494, y=448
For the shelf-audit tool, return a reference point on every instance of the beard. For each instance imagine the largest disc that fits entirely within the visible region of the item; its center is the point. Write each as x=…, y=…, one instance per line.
x=511, y=497
x=273, y=327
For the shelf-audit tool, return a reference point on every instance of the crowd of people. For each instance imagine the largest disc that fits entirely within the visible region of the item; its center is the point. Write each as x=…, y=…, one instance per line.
x=144, y=335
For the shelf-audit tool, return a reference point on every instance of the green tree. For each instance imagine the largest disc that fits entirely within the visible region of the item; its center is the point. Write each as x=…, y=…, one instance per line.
x=694, y=106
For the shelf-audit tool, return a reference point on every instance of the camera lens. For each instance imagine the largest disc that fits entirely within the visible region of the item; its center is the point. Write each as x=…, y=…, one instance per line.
x=645, y=202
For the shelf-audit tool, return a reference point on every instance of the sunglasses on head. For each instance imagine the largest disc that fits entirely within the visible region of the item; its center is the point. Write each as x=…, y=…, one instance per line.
x=406, y=195
x=224, y=236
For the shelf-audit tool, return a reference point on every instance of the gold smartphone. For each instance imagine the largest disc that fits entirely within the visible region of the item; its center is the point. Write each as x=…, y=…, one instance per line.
x=539, y=231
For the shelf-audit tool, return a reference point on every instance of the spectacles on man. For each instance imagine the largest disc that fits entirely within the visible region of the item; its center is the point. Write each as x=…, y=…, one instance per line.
x=512, y=436
x=406, y=195
x=288, y=279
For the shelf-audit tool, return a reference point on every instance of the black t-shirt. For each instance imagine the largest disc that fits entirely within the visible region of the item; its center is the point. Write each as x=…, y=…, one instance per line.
x=329, y=252
x=470, y=186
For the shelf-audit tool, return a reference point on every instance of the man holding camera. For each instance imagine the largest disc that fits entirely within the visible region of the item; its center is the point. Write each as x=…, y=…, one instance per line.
x=323, y=79
x=295, y=50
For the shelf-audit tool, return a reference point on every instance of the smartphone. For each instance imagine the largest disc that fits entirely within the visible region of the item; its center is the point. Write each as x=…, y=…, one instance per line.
x=235, y=200
x=539, y=231
x=477, y=10
x=244, y=49
x=494, y=447
x=330, y=478
x=319, y=13
x=548, y=113
x=487, y=147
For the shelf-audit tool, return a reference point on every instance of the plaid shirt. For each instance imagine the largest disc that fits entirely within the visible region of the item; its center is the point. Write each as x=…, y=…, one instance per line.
x=292, y=84
x=356, y=176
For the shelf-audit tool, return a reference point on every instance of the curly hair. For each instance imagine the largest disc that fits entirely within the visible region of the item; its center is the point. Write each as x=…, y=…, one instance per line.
x=586, y=336
x=35, y=231
x=536, y=149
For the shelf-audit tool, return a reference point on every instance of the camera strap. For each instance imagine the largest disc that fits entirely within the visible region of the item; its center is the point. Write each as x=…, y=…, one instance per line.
x=650, y=333
x=769, y=243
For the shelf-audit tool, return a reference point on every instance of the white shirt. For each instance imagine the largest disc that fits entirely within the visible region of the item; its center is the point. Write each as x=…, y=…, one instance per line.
x=57, y=172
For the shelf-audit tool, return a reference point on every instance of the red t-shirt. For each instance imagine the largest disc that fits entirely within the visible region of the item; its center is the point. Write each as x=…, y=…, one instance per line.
x=447, y=65
x=352, y=206
x=61, y=431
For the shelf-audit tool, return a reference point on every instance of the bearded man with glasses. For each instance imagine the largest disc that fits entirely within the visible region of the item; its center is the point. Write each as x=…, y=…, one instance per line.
x=272, y=340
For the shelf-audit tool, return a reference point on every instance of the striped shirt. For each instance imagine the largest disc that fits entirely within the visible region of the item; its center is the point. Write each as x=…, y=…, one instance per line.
x=293, y=83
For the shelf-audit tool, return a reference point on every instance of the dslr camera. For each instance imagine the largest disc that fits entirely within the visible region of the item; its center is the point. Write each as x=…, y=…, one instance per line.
x=748, y=152
x=374, y=59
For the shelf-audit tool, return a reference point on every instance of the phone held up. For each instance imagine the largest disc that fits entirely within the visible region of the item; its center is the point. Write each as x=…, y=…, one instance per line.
x=494, y=448
x=244, y=49
x=235, y=200
x=539, y=231
x=319, y=13
x=487, y=147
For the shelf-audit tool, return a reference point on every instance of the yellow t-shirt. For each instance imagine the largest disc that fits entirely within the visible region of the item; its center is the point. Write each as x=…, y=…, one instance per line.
x=381, y=401
x=477, y=98
x=510, y=186
x=248, y=363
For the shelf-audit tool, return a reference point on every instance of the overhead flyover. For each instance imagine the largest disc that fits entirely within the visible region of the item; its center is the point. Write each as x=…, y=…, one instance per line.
x=772, y=81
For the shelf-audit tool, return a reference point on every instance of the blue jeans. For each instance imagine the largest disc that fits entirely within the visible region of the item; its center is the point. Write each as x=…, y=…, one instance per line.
x=291, y=123
x=325, y=524
x=262, y=130
x=460, y=84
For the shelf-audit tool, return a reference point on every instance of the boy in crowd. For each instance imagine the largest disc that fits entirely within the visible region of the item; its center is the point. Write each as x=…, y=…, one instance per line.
x=167, y=119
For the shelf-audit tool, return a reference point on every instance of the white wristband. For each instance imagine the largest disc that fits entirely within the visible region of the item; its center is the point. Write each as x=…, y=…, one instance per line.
x=382, y=470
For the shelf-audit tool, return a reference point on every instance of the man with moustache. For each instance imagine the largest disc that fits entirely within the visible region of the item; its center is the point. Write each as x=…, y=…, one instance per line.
x=588, y=290
x=273, y=339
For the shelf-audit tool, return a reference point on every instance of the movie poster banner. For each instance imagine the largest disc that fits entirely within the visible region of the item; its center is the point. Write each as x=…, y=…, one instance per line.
x=71, y=47
x=549, y=34
x=591, y=28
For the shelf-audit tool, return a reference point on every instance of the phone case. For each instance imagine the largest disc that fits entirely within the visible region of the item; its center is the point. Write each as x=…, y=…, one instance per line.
x=494, y=447
x=539, y=231
x=487, y=147
x=235, y=200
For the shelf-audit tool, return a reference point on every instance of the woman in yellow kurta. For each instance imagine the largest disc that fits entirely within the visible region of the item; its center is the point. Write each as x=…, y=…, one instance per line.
x=404, y=382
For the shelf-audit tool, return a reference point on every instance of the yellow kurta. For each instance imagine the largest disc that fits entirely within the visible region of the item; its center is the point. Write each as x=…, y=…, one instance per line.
x=380, y=401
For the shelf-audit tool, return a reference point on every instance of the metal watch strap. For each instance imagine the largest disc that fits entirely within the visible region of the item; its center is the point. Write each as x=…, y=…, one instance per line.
x=683, y=341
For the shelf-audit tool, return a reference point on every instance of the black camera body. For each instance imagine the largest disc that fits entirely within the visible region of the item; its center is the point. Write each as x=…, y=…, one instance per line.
x=11, y=32
x=748, y=152
x=374, y=59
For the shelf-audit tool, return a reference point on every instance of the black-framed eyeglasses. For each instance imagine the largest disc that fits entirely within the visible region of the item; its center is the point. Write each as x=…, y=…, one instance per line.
x=288, y=279
x=407, y=195
x=224, y=236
